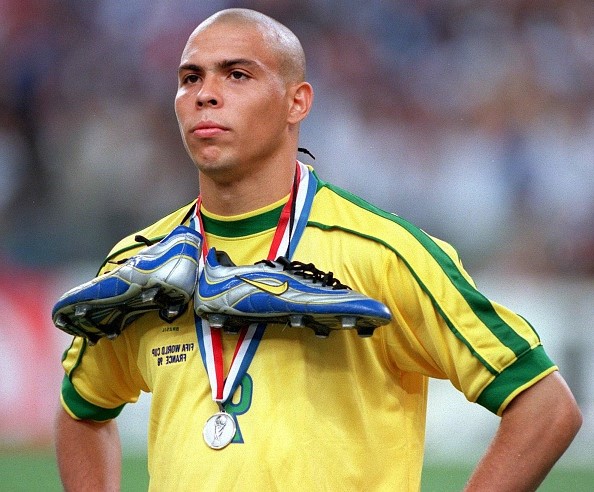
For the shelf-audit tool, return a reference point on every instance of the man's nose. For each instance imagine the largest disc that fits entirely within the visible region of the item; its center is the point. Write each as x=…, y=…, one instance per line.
x=209, y=94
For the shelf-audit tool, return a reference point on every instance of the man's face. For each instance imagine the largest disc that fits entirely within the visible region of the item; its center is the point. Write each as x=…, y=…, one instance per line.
x=232, y=103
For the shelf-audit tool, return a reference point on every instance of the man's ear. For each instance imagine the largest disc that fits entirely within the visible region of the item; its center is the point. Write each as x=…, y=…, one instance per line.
x=300, y=102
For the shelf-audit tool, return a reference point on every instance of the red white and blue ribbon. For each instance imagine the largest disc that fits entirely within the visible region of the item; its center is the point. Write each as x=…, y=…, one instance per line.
x=295, y=213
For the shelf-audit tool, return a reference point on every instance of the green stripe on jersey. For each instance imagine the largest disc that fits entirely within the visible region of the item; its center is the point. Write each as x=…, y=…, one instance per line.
x=84, y=409
x=243, y=227
x=480, y=305
x=448, y=322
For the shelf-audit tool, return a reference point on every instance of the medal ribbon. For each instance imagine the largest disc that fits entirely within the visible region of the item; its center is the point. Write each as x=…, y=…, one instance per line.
x=290, y=228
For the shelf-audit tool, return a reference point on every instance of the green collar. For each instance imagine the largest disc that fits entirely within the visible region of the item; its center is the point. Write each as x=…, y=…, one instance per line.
x=242, y=227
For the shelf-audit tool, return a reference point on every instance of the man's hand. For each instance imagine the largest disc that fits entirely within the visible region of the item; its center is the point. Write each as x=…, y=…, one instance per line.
x=535, y=430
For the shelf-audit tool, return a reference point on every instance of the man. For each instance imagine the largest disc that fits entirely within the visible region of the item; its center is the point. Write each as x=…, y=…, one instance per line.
x=343, y=412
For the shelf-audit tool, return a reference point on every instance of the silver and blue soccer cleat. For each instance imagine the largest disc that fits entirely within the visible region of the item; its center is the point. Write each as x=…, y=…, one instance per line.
x=282, y=291
x=161, y=277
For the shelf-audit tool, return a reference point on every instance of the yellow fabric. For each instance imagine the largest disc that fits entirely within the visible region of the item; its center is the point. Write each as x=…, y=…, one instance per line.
x=344, y=413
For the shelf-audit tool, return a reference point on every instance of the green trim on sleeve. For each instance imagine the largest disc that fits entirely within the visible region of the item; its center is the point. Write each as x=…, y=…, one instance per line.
x=523, y=371
x=84, y=409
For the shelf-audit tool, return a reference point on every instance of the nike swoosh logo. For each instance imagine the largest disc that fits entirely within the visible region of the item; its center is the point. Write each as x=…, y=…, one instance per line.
x=275, y=290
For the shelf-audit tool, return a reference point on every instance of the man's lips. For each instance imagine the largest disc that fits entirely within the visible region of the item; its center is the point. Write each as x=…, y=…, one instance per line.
x=207, y=129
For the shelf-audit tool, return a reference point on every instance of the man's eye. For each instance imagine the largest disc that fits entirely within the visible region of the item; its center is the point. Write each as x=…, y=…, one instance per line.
x=191, y=78
x=238, y=75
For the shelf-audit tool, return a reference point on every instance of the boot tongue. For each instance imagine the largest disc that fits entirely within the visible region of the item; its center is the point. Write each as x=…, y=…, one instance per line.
x=224, y=259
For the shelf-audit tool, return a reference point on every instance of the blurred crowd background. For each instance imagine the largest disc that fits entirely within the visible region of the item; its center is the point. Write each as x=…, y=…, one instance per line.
x=474, y=119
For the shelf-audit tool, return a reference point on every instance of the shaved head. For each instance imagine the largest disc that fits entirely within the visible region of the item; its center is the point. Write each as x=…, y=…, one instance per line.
x=280, y=39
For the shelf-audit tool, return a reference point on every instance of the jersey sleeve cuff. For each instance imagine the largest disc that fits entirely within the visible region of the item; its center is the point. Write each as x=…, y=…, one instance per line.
x=523, y=373
x=81, y=409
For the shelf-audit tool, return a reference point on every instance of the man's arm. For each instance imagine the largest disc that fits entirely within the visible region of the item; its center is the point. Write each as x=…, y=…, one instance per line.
x=535, y=430
x=88, y=453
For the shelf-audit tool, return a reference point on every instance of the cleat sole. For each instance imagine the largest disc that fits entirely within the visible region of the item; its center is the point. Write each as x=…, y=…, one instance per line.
x=216, y=320
x=365, y=332
x=322, y=326
x=61, y=321
x=81, y=310
x=321, y=331
x=148, y=296
x=232, y=329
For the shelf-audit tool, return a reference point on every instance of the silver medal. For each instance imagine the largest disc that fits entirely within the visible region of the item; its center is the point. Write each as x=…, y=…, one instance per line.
x=219, y=430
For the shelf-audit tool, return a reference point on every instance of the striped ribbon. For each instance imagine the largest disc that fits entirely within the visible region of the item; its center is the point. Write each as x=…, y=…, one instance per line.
x=295, y=212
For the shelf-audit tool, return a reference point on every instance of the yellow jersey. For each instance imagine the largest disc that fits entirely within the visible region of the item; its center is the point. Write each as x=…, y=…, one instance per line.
x=342, y=413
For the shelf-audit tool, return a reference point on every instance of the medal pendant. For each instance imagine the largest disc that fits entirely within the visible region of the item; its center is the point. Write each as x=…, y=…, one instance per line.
x=219, y=430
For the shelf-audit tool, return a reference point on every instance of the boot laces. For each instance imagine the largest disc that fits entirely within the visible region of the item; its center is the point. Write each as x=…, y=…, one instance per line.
x=308, y=271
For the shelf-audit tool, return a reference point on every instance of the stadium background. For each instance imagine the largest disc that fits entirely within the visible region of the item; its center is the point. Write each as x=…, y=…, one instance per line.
x=473, y=119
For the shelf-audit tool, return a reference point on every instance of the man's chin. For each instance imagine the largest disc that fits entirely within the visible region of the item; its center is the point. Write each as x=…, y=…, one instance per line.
x=217, y=169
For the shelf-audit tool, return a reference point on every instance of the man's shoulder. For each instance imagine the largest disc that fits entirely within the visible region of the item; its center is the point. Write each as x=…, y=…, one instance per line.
x=340, y=207
x=153, y=233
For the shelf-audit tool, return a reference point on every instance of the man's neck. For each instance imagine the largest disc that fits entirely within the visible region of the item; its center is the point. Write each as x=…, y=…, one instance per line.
x=251, y=192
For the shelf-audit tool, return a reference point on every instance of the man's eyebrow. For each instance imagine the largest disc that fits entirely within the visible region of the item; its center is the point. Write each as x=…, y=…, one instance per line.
x=225, y=64
x=190, y=67
x=238, y=61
